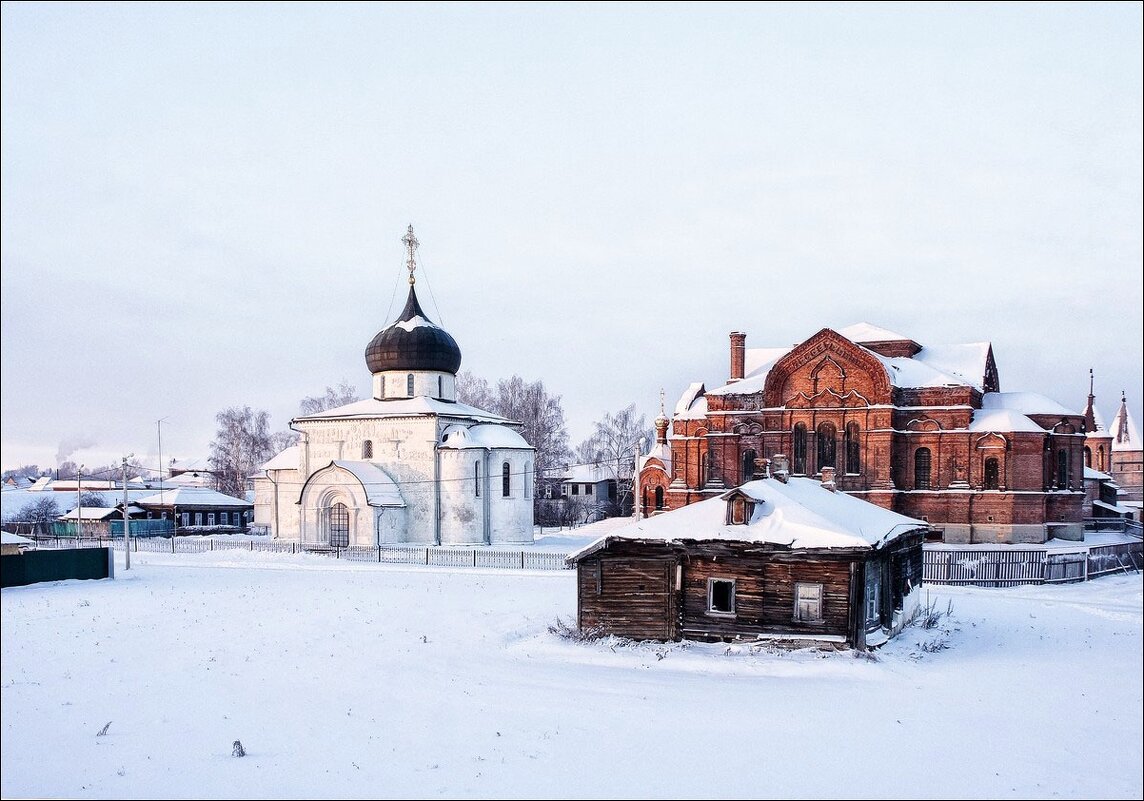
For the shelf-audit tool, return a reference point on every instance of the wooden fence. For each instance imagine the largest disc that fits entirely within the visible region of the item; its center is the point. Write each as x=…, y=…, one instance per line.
x=1005, y=568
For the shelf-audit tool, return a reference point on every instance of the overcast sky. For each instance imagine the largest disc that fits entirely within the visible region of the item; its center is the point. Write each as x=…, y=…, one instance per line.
x=203, y=204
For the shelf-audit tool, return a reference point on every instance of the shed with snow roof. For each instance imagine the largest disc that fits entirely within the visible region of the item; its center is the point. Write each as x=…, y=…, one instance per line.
x=776, y=558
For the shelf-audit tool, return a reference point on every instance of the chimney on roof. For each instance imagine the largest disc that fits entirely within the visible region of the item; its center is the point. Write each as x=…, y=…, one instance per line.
x=738, y=355
x=762, y=468
x=828, y=479
x=780, y=467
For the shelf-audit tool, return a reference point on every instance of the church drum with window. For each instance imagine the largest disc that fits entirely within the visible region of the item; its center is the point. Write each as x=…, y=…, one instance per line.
x=775, y=559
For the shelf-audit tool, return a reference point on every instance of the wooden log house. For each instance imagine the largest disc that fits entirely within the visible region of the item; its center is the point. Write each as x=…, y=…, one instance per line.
x=778, y=558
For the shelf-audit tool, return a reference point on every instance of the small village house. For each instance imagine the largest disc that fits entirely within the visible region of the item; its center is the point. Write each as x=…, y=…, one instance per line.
x=777, y=558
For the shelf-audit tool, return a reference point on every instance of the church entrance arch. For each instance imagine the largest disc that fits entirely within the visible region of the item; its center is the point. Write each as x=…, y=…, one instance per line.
x=338, y=525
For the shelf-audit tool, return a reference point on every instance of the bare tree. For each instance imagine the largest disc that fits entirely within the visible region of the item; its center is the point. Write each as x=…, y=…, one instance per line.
x=343, y=393
x=475, y=391
x=94, y=500
x=614, y=446
x=40, y=513
x=29, y=471
x=241, y=445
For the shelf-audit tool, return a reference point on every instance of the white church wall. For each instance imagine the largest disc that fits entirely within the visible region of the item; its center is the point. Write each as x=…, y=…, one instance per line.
x=511, y=517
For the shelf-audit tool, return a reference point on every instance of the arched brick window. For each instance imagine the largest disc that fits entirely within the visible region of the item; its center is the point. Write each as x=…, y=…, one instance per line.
x=992, y=473
x=922, y=469
x=748, y=466
x=659, y=497
x=1062, y=469
x=1087, y=456
x=827, y=445
x=853, y=450
x=506, y=480
x=798, y=449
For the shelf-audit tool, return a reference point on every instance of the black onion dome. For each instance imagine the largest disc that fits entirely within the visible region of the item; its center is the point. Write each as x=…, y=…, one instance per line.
x=422, y=346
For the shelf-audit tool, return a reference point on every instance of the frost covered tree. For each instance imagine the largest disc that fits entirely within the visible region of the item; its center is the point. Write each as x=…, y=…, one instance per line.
x=613, y=446
x=241, y=445
x=529, y=403
x=40, y=513
x=343, y=393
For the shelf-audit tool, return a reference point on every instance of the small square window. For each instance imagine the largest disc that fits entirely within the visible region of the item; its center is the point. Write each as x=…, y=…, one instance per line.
x=807, y=602
x=721, y=596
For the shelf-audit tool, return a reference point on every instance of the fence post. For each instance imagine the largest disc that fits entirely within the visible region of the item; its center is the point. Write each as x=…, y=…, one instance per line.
x=522, y=560
x=379, y=554
x=252, y=546
x=426, y=556
x=474, y=557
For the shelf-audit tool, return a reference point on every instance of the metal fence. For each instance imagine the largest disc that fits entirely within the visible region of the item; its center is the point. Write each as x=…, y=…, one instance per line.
x=442, y=556
x=1005, y=568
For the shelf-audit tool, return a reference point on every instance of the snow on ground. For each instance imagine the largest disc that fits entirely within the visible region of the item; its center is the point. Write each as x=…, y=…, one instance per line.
x=386, y=681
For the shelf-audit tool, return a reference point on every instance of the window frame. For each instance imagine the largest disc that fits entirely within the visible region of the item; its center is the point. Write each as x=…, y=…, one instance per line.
x=799, y=586
x=712, y=581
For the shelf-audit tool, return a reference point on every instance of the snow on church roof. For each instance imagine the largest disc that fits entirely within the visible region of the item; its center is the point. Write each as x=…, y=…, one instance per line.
x=800, y=513
x=1129, y=439
x=933, y=366
x=1025, y=403
x=867, y=332
x=1002, y=420
x=482, y=435
x=380, y=489
x=288, y=459
x=404, y=407
x=692, y=404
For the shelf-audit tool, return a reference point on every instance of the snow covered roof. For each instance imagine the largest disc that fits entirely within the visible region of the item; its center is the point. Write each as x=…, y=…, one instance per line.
x=1125, y=435
x=1090, y=473
x=692, y=405
x=288, y=459
x=404, y=407
x=380, y=489
x=482, y=435
x=932, y=366
x=41, y=483
x=192, y=478
x=585, y=474
x=99, y=512
x=191, y=496
x=1025, y=403
x=800, y=514
x=8, y=538
x=661, y=451
x=1002, y=420
x=867, y=332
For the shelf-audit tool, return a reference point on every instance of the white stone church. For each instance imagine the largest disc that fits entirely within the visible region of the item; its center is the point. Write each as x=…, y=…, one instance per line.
x=408, y=465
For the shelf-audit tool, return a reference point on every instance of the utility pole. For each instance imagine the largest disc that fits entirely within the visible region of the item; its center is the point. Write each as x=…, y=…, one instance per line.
x=126, y=517
x=159, y=424
x=79, y=503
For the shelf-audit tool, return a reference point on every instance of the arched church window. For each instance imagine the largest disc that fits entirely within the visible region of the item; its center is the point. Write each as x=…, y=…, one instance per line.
x=853, y=449
x=1100, y=458
x=367, y=449
x=992, y=473
x=1087, y=456
x=1062, y=469
x=748, y=466
x=506, y=480
x=922, y=469
x=409, y=385
x=477, y=478
x=827, y=445
x=339, y=525
x=798, y=449
x=659, y=497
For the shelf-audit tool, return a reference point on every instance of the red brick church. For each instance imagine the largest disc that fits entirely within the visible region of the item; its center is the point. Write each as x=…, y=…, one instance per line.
x=922, y=430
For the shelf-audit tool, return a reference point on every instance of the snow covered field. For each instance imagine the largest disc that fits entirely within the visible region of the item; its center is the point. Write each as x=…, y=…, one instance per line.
x=352, y=680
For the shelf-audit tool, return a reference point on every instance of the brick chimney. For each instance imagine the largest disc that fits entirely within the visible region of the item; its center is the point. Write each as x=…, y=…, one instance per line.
x=828, y=479
x=762, y=468
x=738, y=355
x=780, y=467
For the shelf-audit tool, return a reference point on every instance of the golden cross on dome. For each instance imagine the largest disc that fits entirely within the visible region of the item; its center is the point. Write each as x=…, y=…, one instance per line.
x=411, y=244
